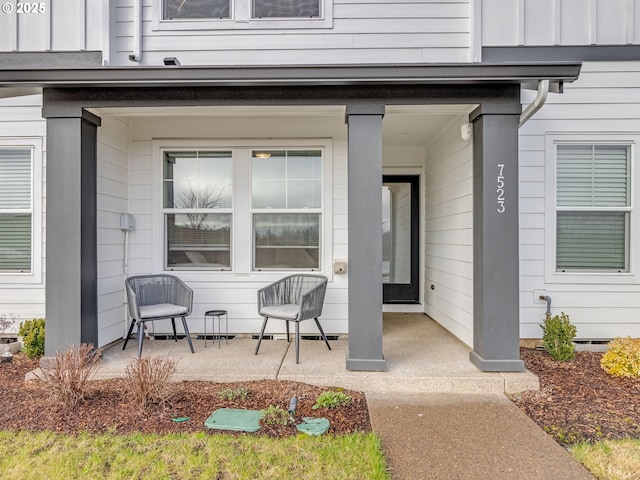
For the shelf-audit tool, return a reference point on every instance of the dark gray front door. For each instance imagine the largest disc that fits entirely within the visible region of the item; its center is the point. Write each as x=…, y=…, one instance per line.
x=400, y=238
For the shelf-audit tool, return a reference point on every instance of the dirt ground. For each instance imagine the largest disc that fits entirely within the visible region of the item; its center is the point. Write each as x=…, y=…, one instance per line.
x=577, y=401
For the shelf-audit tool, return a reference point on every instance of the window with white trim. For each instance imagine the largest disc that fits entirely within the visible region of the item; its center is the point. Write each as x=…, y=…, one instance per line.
x=286, y=201
x=593, y=208
x=16, y=210
x=197, y=209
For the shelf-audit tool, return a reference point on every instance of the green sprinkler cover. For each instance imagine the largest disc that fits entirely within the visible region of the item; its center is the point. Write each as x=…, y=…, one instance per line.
x=234, y=419
x=313, y=426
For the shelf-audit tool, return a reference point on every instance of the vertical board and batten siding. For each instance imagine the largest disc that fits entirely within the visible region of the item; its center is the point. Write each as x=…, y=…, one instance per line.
x=449, y=233
x=113, y=199
x=20, y=122
x=560, y=22
x=55, y=25
x=605, y=100
x=380, y=31
x=234, y=292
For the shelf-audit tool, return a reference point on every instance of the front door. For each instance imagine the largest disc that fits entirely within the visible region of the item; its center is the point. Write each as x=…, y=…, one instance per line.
x=400, y=238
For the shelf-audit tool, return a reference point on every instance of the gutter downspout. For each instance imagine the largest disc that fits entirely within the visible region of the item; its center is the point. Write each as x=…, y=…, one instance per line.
x=137, y=31
x=538, y=102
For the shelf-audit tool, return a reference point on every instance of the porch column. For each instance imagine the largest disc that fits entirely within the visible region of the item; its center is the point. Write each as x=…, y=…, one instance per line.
x=365, y=237
x=496, y=306
x=71, y=275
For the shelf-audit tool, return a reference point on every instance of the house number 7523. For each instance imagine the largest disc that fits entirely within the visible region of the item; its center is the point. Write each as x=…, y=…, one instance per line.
x=500, y=189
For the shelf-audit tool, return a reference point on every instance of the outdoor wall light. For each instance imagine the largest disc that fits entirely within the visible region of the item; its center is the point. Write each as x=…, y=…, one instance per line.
x=263, y=155
x=171, y=61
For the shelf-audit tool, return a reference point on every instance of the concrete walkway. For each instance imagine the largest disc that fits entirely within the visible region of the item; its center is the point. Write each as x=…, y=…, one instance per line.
x=438, y=416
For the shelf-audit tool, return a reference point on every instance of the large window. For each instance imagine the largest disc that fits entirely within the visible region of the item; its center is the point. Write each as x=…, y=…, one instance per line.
x=15, y=210
x=197, y=206
x=593, y=208
x=286, y=201
x=217, y=9
x=174, y=9
x=286, y=8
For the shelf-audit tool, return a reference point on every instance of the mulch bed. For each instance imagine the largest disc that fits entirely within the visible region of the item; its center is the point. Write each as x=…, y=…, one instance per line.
x=28, y=406
x=578, y=400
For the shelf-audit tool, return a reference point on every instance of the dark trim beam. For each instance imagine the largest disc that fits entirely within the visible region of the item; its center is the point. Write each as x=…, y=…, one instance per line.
x=287, y=75
x=496, y=303
x=71, y=256
x=561, y=53
x=365, y=240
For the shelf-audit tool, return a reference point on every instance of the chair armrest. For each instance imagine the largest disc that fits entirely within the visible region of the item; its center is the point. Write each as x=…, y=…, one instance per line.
x=270, y=295
x=183, y=295
x=134, y=309
x=312, y=302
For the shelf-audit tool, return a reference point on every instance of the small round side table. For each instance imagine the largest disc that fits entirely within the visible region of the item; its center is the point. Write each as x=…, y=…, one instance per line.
x=216, y=314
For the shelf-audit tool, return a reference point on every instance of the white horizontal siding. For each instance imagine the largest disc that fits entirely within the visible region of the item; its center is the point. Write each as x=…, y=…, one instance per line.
x=560, y=22
x=22, y=297
x=604, y=100
x=113, y=199
x=234, y=292
x=389, y=31
x=448, y=233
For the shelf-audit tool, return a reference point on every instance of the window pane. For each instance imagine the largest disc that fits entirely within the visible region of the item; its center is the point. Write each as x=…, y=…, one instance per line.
x=286, y=8
x=199, y=240
x=15, y=179
x=286, y=240
x=286, y=179
x=592, y=241
x=15, y=242
x=197, y=180
x=196, y=9
x=593, y=175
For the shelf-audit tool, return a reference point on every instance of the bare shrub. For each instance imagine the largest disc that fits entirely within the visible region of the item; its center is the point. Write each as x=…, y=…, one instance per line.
x=147, y=380
x=68, y=373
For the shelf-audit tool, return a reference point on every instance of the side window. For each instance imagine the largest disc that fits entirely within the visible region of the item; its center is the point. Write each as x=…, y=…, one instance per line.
x=593, y=208
x=197, y=209
x=16, y=210
x=286, y=202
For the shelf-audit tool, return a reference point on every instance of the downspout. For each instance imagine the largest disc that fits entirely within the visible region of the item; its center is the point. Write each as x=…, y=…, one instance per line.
x=137, y=31
x=538, y=102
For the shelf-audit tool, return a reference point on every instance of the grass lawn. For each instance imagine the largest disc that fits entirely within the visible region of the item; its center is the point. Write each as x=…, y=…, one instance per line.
x=190, y=456
x=610, y=459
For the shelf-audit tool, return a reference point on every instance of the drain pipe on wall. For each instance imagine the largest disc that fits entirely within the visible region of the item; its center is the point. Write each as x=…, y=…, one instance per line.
x=547, y=299
x=538, y=102
x=136, y=56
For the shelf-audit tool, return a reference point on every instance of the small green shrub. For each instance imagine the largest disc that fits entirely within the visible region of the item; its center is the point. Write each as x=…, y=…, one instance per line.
x=32, y=333
x=558, y=334
x=231, y=395
x=622, y=358
x=332, y=399
x=275, y=415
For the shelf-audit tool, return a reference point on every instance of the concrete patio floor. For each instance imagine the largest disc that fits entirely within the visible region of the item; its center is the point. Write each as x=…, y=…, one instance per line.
x=421, y=357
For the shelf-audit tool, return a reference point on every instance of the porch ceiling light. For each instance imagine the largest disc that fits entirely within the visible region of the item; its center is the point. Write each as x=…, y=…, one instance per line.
x=263, y=155
x=171, y=61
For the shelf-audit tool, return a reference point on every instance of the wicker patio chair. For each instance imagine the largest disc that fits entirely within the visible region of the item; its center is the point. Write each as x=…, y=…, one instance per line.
x=158, y=297
x=293, y=299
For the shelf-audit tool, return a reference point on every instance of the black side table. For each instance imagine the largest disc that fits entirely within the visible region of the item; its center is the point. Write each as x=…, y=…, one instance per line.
x=213, y=314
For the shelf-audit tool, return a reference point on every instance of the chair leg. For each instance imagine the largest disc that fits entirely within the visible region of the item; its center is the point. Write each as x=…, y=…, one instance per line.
x=140, y=338
x=324, y=337
x=288, y=339
x=133, y=322
x=186, y=331
x=297, y=342
x=173, y=324
x=264, y=324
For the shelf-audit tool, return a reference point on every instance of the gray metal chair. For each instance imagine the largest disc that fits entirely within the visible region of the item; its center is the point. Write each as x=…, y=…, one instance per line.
x=157, y=297
x=293, y=299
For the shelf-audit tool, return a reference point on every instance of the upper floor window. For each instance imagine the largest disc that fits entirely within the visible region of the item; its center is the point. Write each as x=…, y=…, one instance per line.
x=16, y=211
x=196, y=9
x=593, y=208
x=286, y=8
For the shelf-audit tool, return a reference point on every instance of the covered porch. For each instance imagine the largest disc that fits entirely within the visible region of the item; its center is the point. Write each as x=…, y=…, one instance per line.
x=420, y=356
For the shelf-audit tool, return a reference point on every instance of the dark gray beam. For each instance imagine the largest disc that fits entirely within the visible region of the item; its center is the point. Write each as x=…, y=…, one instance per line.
x=71, y=280
x=288, y=75
x=365, y=240
x=562, y=53
x=496, y=304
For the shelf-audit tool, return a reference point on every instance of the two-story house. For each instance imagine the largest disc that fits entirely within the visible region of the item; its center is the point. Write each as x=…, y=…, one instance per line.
x=462, y=158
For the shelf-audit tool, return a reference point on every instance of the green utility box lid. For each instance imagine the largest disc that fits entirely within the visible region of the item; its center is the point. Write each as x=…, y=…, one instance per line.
x=234, y=419
x=313, y=426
